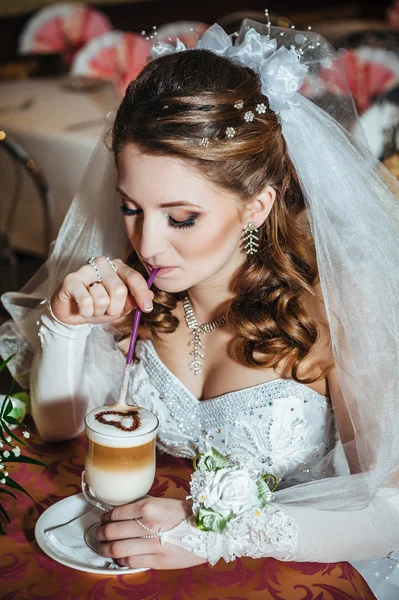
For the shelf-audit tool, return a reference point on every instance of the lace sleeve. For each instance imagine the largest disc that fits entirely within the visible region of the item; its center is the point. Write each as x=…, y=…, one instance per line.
x=272, y=533
x=291, y=533
x=235, y=513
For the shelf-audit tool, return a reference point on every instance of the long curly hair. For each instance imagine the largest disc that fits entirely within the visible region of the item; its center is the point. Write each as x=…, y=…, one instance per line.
x=177, y=101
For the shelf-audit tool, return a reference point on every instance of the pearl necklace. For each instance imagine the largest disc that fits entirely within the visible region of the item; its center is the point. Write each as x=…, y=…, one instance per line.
x=196, y=353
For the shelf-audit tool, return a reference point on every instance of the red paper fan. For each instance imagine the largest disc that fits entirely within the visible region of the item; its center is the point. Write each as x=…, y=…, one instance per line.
x=115, y=56
x=368, y=72
x=187, y=31
x=62, y=28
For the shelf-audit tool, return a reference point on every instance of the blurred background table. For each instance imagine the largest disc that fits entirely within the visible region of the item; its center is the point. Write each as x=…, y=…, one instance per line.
x=59, y=127
x=26, y=573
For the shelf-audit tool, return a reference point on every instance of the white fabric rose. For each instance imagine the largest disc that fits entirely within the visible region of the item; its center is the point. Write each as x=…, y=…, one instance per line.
x=230, y=491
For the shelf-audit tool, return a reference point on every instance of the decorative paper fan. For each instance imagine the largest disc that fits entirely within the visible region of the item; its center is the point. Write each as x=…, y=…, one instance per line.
x=116, y=56
x=367, y=71
x=187, y=31
x=62, y=28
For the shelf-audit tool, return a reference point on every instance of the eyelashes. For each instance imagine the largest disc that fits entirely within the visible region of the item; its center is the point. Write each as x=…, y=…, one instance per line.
x=129, y=212
x=190, y=222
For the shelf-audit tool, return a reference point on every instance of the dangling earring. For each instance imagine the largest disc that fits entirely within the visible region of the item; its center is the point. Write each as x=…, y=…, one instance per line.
x=250, y=240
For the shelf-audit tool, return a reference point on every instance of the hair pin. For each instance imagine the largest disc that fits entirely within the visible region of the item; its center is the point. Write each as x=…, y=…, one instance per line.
x=249, y=116
x=205, y=142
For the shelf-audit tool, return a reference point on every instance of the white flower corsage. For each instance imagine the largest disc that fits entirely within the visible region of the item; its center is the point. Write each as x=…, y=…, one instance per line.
x=222, y=490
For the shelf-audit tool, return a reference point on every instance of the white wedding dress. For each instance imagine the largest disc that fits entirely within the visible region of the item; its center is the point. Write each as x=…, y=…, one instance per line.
x=282, y=424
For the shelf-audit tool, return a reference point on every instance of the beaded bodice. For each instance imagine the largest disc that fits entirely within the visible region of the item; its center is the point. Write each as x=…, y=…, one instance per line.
x=281, y=423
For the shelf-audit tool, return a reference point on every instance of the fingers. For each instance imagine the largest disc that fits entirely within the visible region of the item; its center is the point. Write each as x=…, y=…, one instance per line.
x=136, y=285
x=130, y=547
x=116, y=295
x=126, y=512
x=142, y=561
x=121, y=530
x=114, y=291
x=101, y=300
x=168, y=557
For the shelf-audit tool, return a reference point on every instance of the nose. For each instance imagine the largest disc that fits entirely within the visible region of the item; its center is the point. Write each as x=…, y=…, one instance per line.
x=152, y=240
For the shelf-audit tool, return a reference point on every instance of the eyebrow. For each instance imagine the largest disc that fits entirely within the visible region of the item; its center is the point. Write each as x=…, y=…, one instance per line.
x=164, y=205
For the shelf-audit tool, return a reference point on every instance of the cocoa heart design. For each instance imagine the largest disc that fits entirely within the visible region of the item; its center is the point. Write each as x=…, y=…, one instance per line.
x=128, y=420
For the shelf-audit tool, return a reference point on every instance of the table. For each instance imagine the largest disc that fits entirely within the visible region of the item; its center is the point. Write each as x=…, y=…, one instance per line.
x=28, y=574
x=42, y=129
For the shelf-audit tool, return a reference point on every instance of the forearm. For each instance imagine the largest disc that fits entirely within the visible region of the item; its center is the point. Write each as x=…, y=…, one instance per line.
x=296, y=533
x=351, y=535
x=58, y=397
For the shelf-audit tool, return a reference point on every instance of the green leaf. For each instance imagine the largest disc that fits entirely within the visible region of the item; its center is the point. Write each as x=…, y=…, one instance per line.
x=13, y=484
x=4, y=513
x=23, y=459
x=8, y=406
x=209, y=520
x=213, y=460
x=12, y=421
x=11, y=434
x=264, y=493
x=195, y=466
x=274, y=480
x=3, y=491
x=23, y=397
x=4, y=363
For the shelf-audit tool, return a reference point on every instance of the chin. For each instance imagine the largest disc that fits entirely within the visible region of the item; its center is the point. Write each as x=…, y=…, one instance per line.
x=172, y=287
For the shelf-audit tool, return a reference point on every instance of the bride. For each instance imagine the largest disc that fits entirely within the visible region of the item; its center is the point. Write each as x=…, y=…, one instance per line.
x=271, y=333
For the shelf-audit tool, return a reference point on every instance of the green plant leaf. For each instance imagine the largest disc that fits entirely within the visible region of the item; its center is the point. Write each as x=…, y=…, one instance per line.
x=4, y=363
x=23, y=459
x=12, y=421
x=23, y=397
x=8, y=406
x=209, y=520
x=7, y=430
x=4, y=513
x=13, y=484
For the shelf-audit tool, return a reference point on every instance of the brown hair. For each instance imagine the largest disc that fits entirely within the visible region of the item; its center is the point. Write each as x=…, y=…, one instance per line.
x=175, y=102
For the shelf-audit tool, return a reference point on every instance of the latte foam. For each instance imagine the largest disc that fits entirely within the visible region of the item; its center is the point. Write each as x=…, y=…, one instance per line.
x=121, y=428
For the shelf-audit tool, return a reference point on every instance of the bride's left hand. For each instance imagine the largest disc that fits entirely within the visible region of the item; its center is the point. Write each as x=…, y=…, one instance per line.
x=120, y=534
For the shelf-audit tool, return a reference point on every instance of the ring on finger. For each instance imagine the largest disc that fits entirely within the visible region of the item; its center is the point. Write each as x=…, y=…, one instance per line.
x=93, y=283
x=90, y=261
x=111, y=263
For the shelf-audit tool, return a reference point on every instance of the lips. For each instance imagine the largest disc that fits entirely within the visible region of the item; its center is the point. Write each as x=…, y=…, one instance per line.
x=151, y=267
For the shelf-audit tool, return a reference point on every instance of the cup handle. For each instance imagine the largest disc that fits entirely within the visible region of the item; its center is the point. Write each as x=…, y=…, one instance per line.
x=90, y=497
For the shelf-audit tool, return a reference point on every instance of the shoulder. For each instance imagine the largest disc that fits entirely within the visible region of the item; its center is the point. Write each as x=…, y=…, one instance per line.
x=313, y=303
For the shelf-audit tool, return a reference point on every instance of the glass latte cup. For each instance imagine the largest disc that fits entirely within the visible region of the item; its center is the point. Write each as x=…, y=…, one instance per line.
x=120, y=458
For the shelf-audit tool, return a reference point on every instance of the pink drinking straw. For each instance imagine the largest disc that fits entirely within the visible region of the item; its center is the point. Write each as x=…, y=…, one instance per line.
x=132, y=345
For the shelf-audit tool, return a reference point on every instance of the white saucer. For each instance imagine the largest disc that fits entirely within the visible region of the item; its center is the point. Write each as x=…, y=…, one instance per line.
x=59, y=514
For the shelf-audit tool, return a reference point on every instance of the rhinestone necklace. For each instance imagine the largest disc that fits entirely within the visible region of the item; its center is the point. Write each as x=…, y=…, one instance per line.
x=196, y=353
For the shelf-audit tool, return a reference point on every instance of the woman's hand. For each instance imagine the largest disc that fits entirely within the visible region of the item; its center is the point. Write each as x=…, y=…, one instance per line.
x=120, y=534
x=76, y=301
